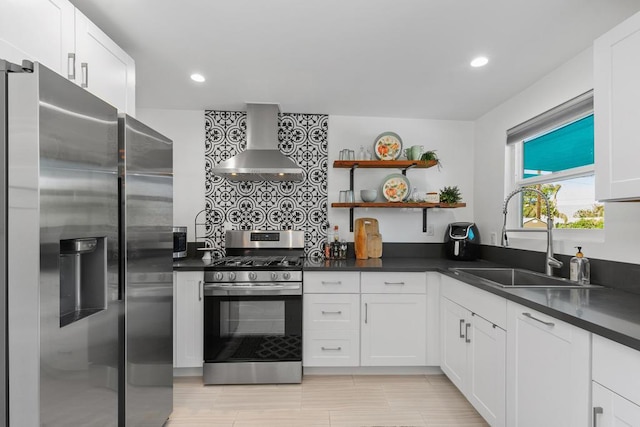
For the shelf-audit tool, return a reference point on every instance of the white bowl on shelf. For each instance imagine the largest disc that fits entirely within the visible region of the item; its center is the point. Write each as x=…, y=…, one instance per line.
x=368, y=195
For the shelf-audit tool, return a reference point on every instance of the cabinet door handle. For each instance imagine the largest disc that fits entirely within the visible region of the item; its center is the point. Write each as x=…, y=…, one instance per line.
x=394, y=283
x=466, y=333
x=530, y=316
x=331, y=283
x=331, y=348
x=597, y=410
x=366, y=312
x=71, y=66
x=200, y=290
x=85, y=74
x=461, y=325
x=332, y=312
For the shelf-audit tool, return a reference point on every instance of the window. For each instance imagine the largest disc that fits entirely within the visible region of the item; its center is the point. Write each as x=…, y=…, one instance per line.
x=554, y=153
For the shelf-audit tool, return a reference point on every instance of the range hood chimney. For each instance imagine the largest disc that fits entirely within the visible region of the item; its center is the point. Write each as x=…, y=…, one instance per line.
x=262, y=160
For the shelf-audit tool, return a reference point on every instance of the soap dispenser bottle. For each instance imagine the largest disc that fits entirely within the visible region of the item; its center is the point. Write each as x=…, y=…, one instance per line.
x=579, y=268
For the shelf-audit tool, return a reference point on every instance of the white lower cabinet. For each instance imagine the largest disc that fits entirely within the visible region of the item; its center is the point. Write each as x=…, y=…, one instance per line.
x=331, y=330
x=188, y=321
x=612, y=410
x=616, y=375
x=393, y=330
x=548, y=370
x=331, y=319
x=364, y=319
x=393, y=319
x=473, y=349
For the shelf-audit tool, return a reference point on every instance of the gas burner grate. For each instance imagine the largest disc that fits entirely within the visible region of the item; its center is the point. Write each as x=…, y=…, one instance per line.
x=258, y=261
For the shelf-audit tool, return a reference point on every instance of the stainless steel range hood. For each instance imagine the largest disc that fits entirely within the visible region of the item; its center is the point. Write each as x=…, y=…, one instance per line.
x=262, y=160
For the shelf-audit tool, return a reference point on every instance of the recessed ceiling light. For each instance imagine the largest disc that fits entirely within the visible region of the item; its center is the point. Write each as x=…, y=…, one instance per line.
x=197, y=77
x=480, y=61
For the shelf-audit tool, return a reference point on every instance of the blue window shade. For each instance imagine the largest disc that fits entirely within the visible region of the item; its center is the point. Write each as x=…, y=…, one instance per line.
x=567, y=147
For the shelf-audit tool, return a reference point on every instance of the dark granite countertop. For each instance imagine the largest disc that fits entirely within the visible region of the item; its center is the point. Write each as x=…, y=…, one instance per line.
x=611, y=313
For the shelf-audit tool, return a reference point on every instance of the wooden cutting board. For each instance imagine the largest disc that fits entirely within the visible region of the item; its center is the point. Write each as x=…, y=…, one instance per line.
x=370, y=225
x=374, y=245
x=362, y=228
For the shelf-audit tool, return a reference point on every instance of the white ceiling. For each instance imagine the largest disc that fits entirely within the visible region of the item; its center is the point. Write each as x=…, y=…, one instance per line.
x=390, y=58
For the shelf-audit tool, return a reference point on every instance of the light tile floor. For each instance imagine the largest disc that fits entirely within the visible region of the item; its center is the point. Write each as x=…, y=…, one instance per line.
x=344, y=400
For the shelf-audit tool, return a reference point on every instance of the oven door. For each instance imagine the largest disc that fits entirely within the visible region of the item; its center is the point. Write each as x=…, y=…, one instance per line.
x=252, y=322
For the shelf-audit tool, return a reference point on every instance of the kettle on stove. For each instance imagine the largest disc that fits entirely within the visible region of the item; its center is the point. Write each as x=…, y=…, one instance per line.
x=462, y=241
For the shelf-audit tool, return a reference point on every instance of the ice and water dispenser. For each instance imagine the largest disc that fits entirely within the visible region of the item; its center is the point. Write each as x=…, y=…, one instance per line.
x=83, y=278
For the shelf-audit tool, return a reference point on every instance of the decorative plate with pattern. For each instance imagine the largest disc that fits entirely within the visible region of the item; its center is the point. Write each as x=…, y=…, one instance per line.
x=396, y=187
x=388, y=146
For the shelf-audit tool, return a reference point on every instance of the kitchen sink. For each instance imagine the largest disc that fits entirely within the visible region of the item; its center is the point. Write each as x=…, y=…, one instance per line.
x=519, y=278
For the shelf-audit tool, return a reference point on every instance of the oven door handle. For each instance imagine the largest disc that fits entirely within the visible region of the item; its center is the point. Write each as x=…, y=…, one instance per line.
x=254, y=286
x=253, y=289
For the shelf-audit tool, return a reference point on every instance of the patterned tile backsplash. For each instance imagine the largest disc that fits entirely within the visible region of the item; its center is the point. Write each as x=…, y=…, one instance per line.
x=264, y=204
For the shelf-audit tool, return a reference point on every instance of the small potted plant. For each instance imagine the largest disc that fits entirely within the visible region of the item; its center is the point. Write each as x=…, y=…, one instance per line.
x=430, y=156
x=450, y=195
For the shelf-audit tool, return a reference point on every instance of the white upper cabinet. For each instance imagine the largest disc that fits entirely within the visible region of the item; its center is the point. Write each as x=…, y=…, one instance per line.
x=616, y=111
x=60, y=37
x=103, y=67
x=38, y=30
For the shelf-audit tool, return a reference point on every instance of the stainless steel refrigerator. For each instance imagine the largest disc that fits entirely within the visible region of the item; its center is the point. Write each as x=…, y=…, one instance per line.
x=85, y=258
x=63, y=303
x=146, y=237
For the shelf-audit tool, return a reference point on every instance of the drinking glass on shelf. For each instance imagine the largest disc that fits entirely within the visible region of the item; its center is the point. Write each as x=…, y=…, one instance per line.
x=343, y=197
x=352, y=155
x=349, y=198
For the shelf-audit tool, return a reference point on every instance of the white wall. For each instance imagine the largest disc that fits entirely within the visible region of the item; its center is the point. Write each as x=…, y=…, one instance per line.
x=186, y=129
x=618, y=242
x=453, y=142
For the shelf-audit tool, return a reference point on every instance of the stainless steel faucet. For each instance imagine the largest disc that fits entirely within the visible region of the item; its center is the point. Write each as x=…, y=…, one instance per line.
x=550, y=262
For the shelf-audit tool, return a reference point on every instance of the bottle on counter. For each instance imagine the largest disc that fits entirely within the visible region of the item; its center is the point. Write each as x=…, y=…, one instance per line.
x=579, y=268
x=328, y=243
x=335, y=245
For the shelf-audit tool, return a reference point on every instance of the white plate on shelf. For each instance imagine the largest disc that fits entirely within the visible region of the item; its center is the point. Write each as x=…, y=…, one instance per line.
x=388, y=146
x=396, y=187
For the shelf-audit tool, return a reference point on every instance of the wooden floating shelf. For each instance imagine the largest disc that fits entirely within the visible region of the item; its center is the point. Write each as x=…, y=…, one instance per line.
x=378, y=164
x=421, y=205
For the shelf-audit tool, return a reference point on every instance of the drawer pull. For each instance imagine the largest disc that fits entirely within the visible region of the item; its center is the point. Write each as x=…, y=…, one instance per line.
x=597, y=410
x=461, y=325
x=331, y=348
x=466, y=333
x=394, y=283
x=530, y=316
x=331, y=283
x=332, y=312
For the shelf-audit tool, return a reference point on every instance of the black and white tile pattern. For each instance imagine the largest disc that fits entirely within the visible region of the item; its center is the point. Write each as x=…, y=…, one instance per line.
x=265, y=204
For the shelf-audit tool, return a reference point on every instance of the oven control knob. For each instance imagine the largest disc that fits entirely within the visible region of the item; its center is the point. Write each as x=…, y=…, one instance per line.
x=232, y=275
x=274, y=276
x=286, y=275
x=253, y=275
x=218, y=275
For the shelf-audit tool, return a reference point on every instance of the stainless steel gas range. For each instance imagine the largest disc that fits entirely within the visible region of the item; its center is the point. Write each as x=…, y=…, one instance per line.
x=253, y=309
